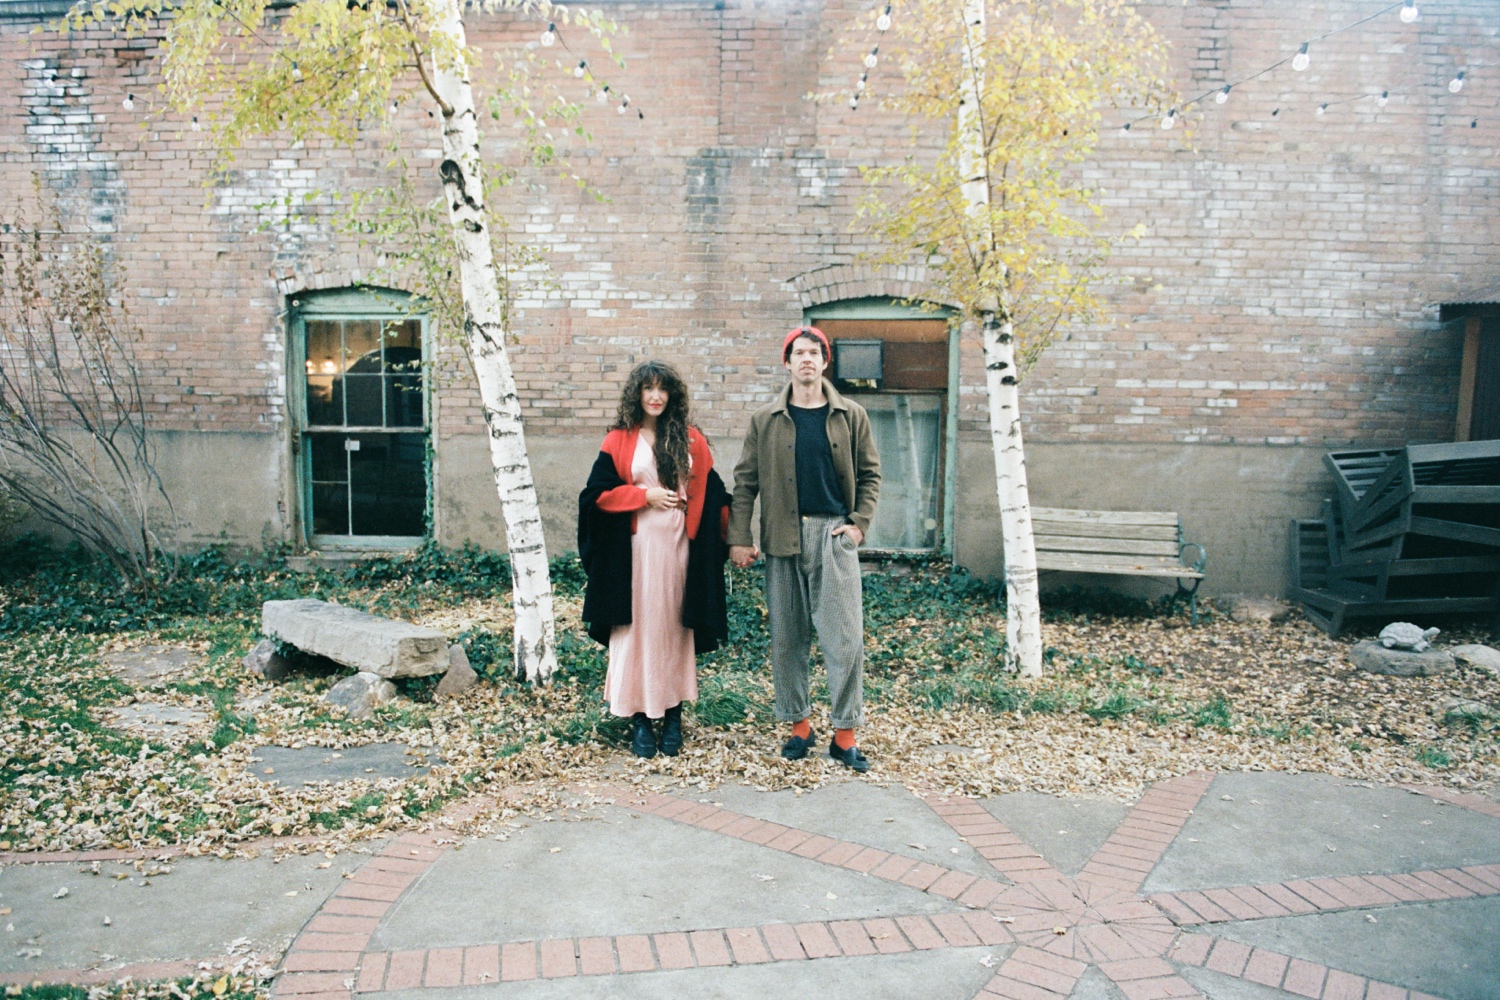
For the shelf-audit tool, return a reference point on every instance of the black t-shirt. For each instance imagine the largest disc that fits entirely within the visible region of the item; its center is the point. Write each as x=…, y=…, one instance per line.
x=818, y=491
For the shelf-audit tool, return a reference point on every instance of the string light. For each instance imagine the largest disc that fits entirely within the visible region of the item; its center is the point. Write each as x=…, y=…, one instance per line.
x=1457, y=83
x=603, y=94
x=1222, y=95
x=623, y=105
x=550, y=35
x=1409, y=13
x=1384, y=99
x=872, y=58
x=854, y=103
x=1322, y=109
x=580, y=69
x=129, y=103
x=395, y=106
x=1301, y=60
x=1170, y=120
x=296, y=73
x=196, y=126
x=883, y=22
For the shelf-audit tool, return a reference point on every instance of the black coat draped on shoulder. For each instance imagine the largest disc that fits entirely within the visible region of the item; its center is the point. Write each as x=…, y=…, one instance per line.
x=604, y=550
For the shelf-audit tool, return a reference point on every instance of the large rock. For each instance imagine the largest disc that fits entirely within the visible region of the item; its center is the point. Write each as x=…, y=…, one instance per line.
x=266, y=662
x=1371, y=656
x=1246, y=608
x=359, y=695
x=460, y=676
x=365, y=642
x=1485, y=658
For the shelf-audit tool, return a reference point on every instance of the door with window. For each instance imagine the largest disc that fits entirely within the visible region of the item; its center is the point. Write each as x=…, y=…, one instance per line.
x=363, y=435
x=893, y=359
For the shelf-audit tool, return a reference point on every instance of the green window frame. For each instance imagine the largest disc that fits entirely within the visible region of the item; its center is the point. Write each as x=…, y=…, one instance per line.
x=359, y=394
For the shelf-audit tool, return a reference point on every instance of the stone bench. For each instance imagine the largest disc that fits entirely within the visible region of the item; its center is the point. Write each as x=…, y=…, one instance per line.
x=365, y=642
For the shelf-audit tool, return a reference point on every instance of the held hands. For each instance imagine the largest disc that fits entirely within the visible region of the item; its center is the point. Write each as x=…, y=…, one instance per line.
x=855, y=535
x=743, y=555
x=664, y=499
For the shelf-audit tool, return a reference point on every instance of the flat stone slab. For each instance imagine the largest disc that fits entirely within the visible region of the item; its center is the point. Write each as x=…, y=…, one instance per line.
x=191, y=913
x=302, y=765
x=1371, y=656
x=363, y=641
x=159, y=718
x=152, y=665
x=1275, y=827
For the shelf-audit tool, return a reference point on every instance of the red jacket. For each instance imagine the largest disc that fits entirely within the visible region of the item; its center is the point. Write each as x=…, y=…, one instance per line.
x=620, y=446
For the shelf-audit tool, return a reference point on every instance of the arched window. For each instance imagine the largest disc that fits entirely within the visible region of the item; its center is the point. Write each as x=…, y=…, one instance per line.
x=896, y=360
x=360, y=411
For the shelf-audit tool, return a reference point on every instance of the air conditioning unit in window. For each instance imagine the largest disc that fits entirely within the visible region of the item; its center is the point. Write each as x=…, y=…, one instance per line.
x=859, y=364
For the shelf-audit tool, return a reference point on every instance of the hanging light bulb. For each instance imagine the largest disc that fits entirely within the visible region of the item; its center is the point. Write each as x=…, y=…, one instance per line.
x=854, y=103
x=580, y=69
x=1383, y=99
x=1322, y=109
x=883, y=22
x=1409, y=13
x=623, y=105
x=296, y=72
x=196, y=126
x=1125, y=127
x=1301, y=60
x=1457, y=83
x=860, y=85
x=1222, y=95
x=1169, y=120
x=550, y=35
x=129, y=103
x=872, y=58
x=603, y=94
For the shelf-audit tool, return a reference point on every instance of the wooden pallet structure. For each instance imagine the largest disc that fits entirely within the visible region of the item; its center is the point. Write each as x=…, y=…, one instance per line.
x=1410, y=532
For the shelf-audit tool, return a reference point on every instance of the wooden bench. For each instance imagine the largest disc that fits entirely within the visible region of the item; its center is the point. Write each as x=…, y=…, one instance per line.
x=1119, y=542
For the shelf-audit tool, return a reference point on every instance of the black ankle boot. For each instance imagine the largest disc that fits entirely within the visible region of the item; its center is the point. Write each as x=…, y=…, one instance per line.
x=671, y=731
x=642, y=739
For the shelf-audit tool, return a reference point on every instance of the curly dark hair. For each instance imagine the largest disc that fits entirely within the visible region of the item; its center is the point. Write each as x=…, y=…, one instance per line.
x=671, y=427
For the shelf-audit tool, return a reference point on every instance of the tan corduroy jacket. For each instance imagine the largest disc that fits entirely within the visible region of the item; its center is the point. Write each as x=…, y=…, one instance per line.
x=768, y=468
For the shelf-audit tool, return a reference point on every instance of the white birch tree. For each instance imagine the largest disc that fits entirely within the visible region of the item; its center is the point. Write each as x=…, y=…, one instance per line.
x=1018, y=90
x=340, y=68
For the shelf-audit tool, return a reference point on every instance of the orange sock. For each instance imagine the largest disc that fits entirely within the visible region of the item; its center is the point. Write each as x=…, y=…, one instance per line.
x=844, y=738
x=802, y=730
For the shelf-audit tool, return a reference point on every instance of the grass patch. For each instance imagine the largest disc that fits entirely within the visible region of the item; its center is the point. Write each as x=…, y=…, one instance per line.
x=1214, y=714
x=1434, y=758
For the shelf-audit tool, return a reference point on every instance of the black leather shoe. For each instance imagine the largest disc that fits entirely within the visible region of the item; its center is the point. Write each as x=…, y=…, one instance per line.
x=796, y=747
x=671, y=732
x=642, y=739
x=851, y=758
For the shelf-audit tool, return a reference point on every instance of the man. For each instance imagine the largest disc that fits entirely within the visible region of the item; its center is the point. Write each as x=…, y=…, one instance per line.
x=811, y=459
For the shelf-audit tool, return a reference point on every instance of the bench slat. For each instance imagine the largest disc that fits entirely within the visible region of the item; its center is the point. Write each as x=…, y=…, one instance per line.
x=1104, y=516
x=1124, y=546
x=1083, y=562
x=1082, y=529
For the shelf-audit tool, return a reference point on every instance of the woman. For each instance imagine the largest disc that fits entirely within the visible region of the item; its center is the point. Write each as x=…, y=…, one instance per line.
x=651, y=525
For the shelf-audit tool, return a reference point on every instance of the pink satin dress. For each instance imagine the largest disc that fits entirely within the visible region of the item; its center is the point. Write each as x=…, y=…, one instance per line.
x=651, y=661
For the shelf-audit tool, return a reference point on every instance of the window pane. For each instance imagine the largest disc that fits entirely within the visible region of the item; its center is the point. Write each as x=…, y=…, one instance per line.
x=323, y=362
x=363, y=407
x=362, y=346
x=327, y=458
x=322, y=408
x=403, y=401
x=405, y=335
x=907, y=431
x=330, y=487
x=388, y=484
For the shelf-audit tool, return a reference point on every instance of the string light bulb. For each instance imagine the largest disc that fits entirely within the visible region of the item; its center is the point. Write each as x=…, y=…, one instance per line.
x=1457, y=83
x=883, y=22
x=861, y=83
x=1409, y=13
x=872, y=58
x=625, y=103
x=296, y=73
x=1322, y=109
x=1222, y=95
x=1169, y=120
x=129, y=103
x=1301, y=60
x=196, y=126
x=550, y=35
x=854, y=102
x=603, y=94
x=1383, y=99
x=395, y=107
x=580, y=69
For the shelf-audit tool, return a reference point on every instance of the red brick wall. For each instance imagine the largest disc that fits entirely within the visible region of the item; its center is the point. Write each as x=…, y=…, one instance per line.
x=1286, y=290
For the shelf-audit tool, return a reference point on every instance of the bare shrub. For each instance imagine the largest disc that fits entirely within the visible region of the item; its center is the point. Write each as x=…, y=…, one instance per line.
x=74, y=445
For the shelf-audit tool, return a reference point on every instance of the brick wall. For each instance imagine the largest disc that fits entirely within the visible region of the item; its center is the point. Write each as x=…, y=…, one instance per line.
x=1285, y=292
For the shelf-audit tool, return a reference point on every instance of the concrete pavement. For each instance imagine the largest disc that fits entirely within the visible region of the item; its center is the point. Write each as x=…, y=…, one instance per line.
x=1232, y=886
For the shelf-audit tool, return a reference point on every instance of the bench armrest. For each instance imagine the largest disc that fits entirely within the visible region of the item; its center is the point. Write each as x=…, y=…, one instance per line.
x=1197, y=564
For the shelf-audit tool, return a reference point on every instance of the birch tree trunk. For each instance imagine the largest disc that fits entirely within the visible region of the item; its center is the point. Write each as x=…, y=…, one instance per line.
x=484, y=333
x=1023, y=610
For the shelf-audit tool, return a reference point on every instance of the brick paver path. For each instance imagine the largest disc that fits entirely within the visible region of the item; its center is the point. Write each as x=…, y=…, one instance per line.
x=1055, y=926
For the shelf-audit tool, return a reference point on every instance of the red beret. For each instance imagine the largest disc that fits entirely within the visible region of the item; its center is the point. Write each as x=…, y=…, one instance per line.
x=806, y=331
